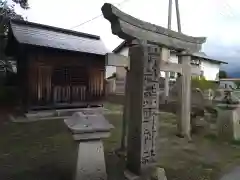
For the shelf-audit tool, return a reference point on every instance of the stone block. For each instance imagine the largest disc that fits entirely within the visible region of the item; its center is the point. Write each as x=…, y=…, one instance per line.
x=228, y=124
x=159, y=174
x=130, y=176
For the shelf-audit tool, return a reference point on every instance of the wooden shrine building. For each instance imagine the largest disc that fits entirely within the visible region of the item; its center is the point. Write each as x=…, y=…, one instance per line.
x=56, y=68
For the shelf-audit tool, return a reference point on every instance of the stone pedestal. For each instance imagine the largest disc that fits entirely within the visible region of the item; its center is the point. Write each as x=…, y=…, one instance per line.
x=91, y=162
x=88, y=130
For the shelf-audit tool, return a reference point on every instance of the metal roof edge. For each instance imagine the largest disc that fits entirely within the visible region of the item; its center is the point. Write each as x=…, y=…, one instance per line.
x=52, y=28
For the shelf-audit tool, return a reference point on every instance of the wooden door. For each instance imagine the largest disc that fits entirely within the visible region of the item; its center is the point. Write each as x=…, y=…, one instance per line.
x=44, y=84
x=69, y=84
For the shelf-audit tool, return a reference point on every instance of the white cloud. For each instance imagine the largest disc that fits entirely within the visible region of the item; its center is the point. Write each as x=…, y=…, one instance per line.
x=218, y=20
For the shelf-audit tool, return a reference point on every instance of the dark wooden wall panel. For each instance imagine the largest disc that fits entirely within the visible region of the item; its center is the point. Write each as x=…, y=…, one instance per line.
x=42, y=89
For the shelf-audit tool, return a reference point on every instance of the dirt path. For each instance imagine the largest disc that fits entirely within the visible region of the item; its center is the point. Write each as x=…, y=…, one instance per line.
x=233, y=175
x=204, y=158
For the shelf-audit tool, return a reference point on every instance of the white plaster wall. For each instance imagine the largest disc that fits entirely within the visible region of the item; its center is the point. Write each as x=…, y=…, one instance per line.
x=173, y=59
x=124, y=51
x=210, y=70
x=110, y=70
x=227, y=84
x=121, y=72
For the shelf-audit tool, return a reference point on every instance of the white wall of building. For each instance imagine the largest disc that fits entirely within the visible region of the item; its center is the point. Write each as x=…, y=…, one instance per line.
x=227, y=84
x=109, y=71
x=121, y=72
x=173, y=59
x=124, y=51
x=210, y=69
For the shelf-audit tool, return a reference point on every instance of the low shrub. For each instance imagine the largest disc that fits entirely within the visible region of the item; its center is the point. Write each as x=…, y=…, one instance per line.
x=8, y=95
x=203, y=84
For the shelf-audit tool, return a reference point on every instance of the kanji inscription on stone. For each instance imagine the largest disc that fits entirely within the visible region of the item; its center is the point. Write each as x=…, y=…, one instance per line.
x=150, y=104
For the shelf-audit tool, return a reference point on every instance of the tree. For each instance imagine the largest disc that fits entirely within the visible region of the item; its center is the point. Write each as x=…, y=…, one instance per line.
x=237, y=83
x=114, y=74
x=7, y=13
x=222, y=74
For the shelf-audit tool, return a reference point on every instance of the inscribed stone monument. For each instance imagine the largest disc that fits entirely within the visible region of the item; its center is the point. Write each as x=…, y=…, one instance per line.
x=144, y=104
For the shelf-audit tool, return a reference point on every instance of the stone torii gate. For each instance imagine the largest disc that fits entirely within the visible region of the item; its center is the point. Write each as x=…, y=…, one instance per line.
x=148, y=43
x=123, y=61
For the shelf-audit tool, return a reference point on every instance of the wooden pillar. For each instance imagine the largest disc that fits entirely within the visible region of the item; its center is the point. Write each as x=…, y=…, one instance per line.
x=22, y=72
x=165, y=55
x=143, y=107
x=184, y=113
x=125, y=111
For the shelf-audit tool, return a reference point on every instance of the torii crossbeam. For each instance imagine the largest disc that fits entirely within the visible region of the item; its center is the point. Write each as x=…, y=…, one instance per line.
x=129, y=28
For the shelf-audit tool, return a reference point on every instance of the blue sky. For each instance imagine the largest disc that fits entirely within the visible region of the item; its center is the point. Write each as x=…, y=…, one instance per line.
x=218, y=20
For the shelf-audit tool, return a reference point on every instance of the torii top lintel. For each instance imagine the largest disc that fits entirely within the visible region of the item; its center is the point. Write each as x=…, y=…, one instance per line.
x=129, y=28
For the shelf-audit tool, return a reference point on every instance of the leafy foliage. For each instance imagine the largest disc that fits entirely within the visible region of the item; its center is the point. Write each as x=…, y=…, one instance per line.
x=237, y=83
x=22, y=3
x=7, y=13
x=202, y=83
x=222, y=74
x=114, y=74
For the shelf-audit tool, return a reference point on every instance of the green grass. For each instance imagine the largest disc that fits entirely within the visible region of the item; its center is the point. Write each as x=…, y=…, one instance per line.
x=44, y=150
x=113, y=107
x=36, y=149
x=113, y=142
x=235, y=142
x=210, y=136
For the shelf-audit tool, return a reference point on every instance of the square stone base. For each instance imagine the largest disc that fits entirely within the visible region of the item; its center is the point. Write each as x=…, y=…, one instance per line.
x=130, y=176
x=157, y=174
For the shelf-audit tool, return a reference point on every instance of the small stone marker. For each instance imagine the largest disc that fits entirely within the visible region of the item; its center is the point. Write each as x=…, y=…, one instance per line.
x=159, y=174
x=88, y=130
x=228, y=124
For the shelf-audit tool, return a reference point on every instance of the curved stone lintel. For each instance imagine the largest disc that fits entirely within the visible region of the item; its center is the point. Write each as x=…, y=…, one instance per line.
x=128, y=27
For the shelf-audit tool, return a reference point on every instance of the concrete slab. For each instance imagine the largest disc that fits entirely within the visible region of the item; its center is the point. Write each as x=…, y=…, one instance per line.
x=57, y=114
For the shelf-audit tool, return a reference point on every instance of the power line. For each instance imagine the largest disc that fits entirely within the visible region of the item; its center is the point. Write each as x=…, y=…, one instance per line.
x=227, y=9
x=98, y=16
x=87, y=21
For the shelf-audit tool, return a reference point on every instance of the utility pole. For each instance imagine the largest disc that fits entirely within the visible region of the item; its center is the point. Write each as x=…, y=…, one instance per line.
x=169, y=14
x=178, y=16
x=166, y=81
